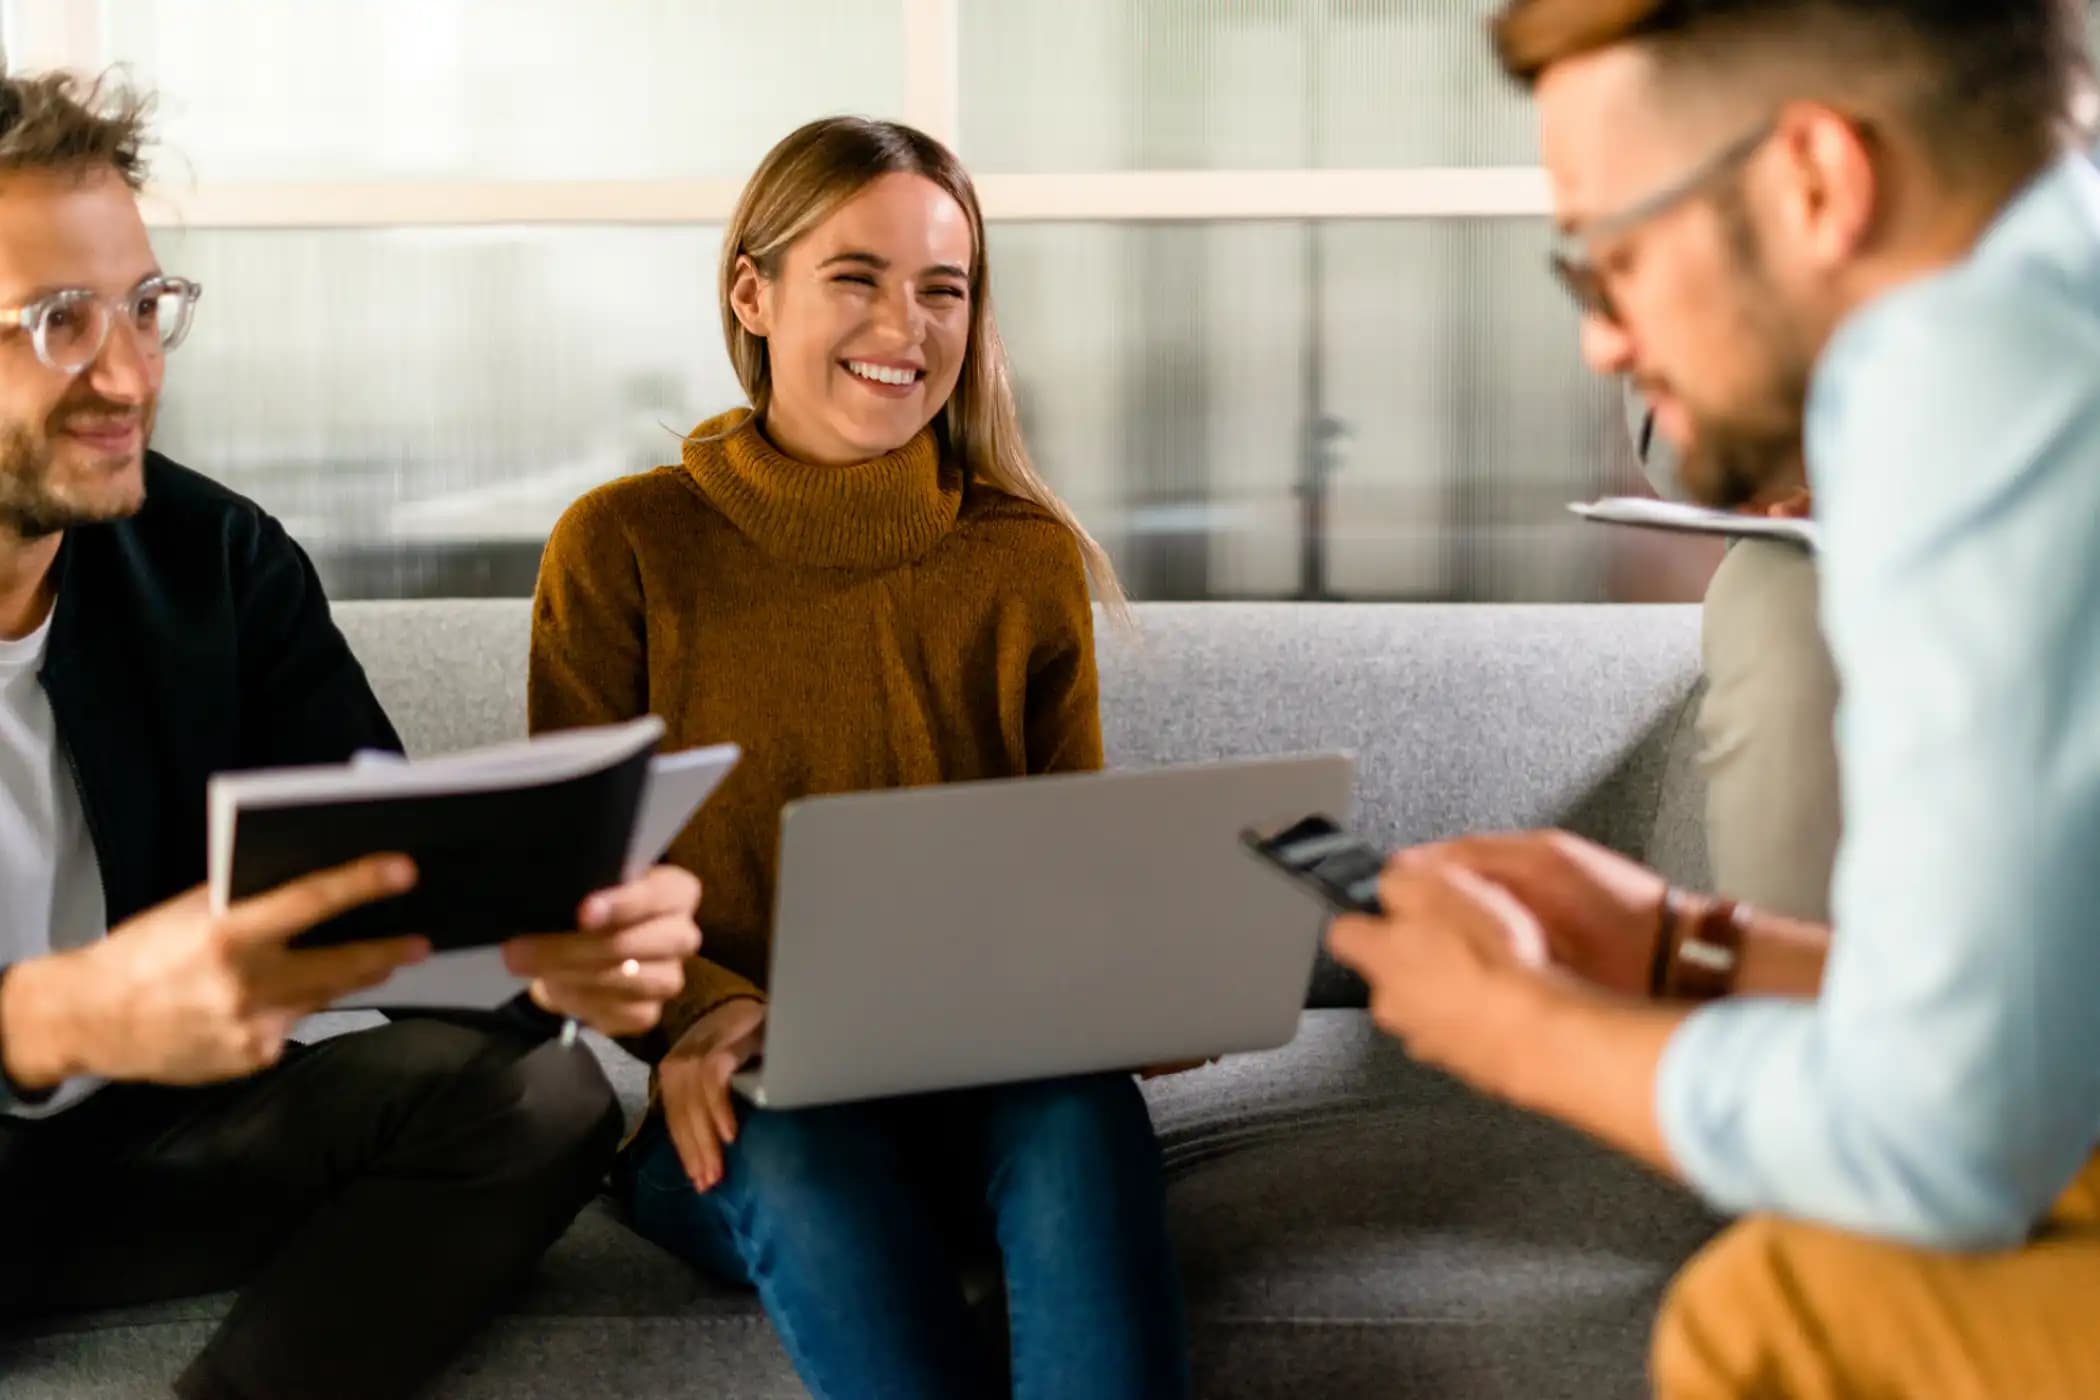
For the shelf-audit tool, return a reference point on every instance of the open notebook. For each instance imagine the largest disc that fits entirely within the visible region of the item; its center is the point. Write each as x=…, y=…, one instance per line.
x=1696, y=520
x=508, y=840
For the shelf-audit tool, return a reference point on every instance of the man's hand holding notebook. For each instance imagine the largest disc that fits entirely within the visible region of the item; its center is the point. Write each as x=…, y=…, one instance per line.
x=508, y=842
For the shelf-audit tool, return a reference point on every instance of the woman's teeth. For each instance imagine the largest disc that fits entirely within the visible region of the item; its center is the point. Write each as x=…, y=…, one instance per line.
x=882, y=374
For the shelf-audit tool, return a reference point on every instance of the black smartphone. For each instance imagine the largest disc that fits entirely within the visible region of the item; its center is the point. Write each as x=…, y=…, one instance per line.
x=1340, y=868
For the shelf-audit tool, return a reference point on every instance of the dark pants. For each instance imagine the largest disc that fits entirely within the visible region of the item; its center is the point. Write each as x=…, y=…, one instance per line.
x=375, y=1197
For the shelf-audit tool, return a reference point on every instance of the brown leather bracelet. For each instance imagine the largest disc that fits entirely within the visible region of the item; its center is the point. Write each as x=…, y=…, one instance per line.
x=1706, y=952
x=1670, y=914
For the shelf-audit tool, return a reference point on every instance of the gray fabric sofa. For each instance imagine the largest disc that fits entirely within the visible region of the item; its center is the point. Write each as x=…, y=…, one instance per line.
x=1349, y=1223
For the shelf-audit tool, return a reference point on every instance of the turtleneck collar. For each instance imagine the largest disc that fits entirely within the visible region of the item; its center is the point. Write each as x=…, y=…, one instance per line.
x=875, y=515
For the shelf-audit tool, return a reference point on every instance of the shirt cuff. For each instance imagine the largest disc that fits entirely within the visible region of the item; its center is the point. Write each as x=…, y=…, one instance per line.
x=1709, y=1072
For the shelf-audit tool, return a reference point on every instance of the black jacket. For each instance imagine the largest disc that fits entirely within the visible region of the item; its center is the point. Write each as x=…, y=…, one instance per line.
x=191, y=639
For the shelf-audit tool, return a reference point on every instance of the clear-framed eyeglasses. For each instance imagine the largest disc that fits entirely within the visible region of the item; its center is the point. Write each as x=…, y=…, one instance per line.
x=69, y=327
x=1572, y=260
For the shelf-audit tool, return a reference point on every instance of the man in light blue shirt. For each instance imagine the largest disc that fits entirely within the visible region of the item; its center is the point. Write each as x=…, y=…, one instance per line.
x=1845, y=235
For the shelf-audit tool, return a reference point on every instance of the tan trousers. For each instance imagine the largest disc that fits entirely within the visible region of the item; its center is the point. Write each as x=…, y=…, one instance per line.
x=1767, y=749
x=1775, y=1308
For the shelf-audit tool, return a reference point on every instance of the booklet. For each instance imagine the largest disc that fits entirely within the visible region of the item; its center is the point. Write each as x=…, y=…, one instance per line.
x=679, y=785
x=1697, y=520
x=507, y=840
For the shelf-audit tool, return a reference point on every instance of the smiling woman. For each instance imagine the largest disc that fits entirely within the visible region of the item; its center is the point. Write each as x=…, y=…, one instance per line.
x=862, y=242
x=865, y=320
x=862, y=582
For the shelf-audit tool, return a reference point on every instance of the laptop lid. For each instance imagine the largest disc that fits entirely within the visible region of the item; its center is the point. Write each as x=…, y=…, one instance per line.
x=937, y=938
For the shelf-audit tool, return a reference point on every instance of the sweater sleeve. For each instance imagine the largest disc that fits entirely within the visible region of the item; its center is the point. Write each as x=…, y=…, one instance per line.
x=590, y=646
x=1064, y=688
x=590, y=665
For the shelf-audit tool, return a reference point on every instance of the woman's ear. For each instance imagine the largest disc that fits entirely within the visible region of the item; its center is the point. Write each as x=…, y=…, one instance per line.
x=748, y=299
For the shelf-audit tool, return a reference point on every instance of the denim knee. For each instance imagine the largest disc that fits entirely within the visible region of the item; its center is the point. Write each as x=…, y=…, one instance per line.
x=784, y=1179
x=1100, y=1116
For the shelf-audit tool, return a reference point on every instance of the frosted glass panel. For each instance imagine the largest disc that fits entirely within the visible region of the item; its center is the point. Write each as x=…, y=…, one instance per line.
x=419, y=406
x=1188, y=386
x=498, y=89
x=1469, y=420
x=1057, y=85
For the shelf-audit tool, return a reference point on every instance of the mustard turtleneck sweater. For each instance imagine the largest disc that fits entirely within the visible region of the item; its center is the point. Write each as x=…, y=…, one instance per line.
x=876, y=626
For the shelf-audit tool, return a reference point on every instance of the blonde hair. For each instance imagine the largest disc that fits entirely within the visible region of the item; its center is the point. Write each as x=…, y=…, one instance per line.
x=801, y=183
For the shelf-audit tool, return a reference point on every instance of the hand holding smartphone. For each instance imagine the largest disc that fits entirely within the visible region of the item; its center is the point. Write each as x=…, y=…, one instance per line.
x=1337, y=867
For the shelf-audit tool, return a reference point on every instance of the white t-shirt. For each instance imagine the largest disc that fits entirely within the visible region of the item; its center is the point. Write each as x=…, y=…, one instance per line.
x=50, y=881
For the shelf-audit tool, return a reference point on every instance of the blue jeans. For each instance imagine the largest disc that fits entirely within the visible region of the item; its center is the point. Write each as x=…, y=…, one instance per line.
x=844, y=1219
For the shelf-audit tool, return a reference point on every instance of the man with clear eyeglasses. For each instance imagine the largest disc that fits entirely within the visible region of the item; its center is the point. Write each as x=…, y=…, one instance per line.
x=374, y=1197
x=1875, y=253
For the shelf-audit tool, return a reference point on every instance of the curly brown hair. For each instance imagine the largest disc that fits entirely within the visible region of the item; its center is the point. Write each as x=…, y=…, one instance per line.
x=60, y=122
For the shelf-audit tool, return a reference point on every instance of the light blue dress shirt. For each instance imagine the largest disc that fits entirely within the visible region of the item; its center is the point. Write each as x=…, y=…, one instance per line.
x=1946, y=1086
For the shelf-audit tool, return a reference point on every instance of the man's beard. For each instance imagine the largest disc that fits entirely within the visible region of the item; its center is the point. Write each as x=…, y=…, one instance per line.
x=1738, y=460
x=1754, y=452
x=33, y=506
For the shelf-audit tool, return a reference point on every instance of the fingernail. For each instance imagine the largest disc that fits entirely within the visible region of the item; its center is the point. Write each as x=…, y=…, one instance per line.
x=399, y=874
x=420, y=950
x=595, y=911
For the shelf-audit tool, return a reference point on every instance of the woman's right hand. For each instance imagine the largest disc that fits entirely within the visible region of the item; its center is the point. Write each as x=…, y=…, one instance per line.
x=693, y=1080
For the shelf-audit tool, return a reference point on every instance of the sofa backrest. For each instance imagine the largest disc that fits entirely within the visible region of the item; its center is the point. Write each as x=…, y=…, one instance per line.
x=1462, y=717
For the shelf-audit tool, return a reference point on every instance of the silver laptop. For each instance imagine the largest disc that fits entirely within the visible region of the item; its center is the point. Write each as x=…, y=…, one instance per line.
x=983, y=933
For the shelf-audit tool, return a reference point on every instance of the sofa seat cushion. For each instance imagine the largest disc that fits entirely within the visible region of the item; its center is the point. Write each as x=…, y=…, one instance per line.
x=1351, y=1223
x=610, y=1315
x=1348, y=1222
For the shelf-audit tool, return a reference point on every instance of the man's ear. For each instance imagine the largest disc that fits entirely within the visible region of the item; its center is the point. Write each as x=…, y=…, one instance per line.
x=749, y=300
x=1835, y=189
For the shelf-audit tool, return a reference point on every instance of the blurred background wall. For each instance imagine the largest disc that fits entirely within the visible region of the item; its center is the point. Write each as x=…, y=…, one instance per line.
x=1271, y=271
